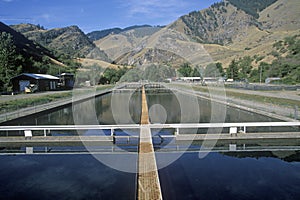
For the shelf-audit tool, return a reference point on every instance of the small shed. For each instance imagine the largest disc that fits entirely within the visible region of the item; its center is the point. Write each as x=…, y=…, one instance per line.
x=66, y=81
x=42, y=82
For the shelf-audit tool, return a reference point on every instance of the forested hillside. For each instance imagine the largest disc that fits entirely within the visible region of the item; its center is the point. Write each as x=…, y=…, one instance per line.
x=252, y=7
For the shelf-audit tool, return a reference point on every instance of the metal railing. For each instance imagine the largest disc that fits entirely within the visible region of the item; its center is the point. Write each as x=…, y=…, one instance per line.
x=233, y=127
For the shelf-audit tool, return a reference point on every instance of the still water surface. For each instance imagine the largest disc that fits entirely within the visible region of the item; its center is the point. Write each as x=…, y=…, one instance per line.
x=125, y=108
x=217, y=176
x=234, y=176
x=62, y=177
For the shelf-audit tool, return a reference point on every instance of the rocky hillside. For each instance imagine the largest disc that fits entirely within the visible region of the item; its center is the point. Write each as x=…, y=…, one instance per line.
x=117, y=45
x=69, y=40
x=235, y=28
x=221, y=24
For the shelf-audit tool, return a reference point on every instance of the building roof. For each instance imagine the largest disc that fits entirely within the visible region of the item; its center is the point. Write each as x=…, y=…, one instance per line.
x=66, y=74
x=39, y=76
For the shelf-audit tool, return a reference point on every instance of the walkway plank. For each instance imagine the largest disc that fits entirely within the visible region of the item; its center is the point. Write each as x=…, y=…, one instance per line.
x=148, y=179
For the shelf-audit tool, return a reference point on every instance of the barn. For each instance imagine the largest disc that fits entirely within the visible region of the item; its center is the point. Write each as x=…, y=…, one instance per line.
x=41, y=82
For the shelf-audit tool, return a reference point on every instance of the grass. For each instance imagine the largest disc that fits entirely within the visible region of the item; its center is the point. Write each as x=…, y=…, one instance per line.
x=259, y=98
x=104, y=87
x=9, y=106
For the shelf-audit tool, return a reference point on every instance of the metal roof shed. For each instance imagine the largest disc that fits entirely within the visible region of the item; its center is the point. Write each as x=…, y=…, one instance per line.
x=44, y=82
x=67, y=81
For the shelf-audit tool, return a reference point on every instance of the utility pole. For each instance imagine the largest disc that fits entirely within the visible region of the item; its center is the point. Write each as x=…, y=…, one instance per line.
x=260, y=74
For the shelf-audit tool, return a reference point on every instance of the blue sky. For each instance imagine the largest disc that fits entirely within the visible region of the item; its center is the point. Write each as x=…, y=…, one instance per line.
x=92, y=15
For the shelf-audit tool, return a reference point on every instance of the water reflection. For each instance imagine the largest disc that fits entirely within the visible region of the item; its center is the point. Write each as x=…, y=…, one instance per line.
x=170, y=102
x=91, y=112
x=63, y=177
x=230, y=176
x=125, y=108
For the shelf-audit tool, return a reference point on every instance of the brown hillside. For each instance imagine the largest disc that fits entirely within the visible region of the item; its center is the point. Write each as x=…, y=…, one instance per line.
x=281, y=16
x=69, y=40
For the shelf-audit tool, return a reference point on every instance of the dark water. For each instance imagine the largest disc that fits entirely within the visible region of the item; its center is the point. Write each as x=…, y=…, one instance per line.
x=235, y=176
x=62, y=177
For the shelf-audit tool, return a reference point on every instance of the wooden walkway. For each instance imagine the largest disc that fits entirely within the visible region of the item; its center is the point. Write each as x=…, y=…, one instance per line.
x=148, y=180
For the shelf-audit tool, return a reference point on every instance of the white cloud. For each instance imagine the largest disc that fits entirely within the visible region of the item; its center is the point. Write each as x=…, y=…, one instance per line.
x=46, y=17
x=154, y=8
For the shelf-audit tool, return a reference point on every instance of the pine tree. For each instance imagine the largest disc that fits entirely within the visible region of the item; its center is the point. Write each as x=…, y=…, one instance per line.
x=233, y=70
x=8, y=60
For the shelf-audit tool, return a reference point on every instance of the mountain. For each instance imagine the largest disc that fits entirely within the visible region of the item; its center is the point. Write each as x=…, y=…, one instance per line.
x=97, y=35
x=228, y=31
x=24, y=46
x=69, y=40
x=140, y=47
x=219, y=24
x=182, y=40
x=116, y=45
x=220, y=32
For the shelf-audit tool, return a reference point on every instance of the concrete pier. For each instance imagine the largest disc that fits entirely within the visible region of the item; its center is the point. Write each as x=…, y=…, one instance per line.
x=148, y=179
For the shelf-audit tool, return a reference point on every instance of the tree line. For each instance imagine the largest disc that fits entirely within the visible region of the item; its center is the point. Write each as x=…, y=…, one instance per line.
x=285, y=66
x=99, y=75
